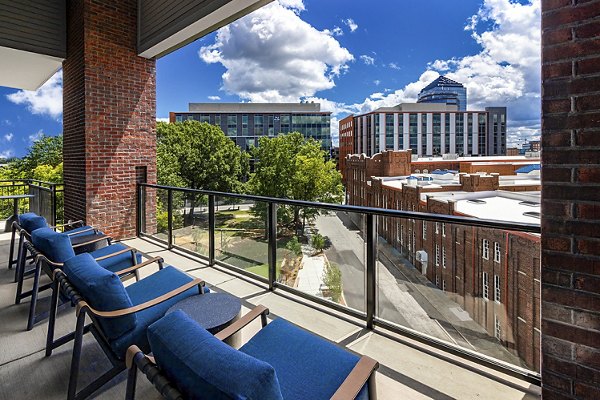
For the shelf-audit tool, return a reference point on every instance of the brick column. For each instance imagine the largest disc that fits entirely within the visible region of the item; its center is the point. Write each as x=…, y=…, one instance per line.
x=109, y=117
x=571, y=199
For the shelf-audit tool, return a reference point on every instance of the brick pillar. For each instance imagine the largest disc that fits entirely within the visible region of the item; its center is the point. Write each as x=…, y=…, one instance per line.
x=109, y=117
x=570, y=199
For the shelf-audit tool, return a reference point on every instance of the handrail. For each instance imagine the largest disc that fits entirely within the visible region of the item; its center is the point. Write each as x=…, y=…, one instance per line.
x=452, y=219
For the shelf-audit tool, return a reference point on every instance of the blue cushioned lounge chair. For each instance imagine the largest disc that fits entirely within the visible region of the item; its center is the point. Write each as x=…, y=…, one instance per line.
x=51, y=249
x=281, y=361
x=120, y=315
x=27, y=223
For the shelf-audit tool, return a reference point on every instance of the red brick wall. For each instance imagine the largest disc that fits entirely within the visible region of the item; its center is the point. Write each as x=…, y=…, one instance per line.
x=570, y=199
x=110, y=115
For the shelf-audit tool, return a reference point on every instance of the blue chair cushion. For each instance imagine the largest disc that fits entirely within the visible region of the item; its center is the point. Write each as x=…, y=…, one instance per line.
x=31, y=221
x=118, y=262
x=203, y=367
x=308, y=367
x=103, y=291
x=54, y=245
x=155, y=285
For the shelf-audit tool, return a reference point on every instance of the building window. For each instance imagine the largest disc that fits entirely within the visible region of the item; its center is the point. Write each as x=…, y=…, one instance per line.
x=190, y=117
x=437, y=254
x=424, y=230
x=437, y=228
x=178, y=118
x=485, y=286
x=485, y=249
x=496, y=288
x=497, y=328
x=437, y=280
x=232, y=125
x=409, y=241
x=443, y=229
x=497, y=252
x=444, y=285
x=443, y=257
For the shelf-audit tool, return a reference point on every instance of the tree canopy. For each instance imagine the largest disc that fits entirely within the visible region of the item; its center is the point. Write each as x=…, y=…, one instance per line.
x=43, y=162
x=290, y=166
x=199, y=156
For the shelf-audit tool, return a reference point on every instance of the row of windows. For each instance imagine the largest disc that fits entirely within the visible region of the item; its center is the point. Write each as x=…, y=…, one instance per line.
x=437, y=229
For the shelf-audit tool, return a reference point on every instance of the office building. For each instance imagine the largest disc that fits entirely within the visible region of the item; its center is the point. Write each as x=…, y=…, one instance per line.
x=446, y=91
x=428, y=130
x=244, y=123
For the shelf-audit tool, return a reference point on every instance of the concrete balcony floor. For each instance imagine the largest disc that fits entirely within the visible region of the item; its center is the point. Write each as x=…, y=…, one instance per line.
x=409, y=370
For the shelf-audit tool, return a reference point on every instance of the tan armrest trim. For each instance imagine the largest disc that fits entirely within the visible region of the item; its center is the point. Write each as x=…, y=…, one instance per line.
x=96, y=239
x=40, y=257
x=139, y=307
x=356, y=379
x=140, y=265
x=116, y=253
x=131, y=352
x=242, y=322
x=78, y=232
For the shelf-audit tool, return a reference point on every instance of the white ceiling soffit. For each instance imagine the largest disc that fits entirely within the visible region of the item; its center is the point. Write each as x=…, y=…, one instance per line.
x=25, y=70
x=224, y=15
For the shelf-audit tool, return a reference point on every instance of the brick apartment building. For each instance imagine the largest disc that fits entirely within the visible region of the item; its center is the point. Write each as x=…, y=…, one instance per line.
x=492, y=274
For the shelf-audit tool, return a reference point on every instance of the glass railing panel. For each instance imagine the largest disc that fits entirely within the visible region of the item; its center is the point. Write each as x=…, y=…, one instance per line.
x=190, y=221
x=477, y=288
x=241, y=234
x=322, y=253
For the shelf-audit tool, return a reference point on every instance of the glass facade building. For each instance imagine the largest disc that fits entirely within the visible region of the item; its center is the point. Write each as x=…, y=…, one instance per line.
x=245, y=123
x=446, y=91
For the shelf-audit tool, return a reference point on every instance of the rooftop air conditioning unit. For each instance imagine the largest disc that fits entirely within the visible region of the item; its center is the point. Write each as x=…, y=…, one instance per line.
x=421, y=256
x=449, y=156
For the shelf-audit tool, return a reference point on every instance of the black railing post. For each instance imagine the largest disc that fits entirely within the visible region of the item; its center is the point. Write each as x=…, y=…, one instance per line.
x=170, y=218
x=272, y=232
x=53, y=204
x=211, y=229
x=371, y=241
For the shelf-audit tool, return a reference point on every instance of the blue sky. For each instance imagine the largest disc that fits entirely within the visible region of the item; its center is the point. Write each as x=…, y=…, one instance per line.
x=351, y=56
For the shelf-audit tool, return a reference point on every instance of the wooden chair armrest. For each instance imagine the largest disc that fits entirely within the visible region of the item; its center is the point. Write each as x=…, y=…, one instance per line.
x=257, y=311
x=140, y=307
x=70, y=223
x=95, y=239
x=356, y=379
x=90, y=229
x=116, y=253
x=40, y=257
x=135, y=267
x=132, y=351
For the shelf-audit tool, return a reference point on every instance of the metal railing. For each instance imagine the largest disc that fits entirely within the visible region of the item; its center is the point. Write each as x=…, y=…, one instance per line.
x=47, y=199
x=192, y=217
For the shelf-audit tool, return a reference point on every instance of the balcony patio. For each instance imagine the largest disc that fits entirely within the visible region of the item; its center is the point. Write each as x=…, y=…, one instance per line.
x=409, y=369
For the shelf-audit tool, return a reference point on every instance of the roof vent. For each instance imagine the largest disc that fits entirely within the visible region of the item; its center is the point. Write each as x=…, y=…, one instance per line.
x=476, y=201
x=529, y=203
x=532, y=214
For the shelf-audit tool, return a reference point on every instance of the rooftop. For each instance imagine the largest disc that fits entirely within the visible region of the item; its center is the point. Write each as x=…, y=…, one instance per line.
x=408, y=369
x=255, y=107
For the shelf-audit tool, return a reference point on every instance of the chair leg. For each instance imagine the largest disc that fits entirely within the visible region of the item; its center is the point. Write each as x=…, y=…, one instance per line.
x=11, y=251
x=21, y=259
x=34, y=295
x=52, y=317
x=76, y=357
x=131, y=383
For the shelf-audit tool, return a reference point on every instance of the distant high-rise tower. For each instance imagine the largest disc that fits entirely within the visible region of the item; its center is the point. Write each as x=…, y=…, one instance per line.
x=444, y=90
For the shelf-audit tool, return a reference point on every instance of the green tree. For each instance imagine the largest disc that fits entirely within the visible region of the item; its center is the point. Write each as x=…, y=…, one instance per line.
x=293, y=245
x=198, y=156
x=290, y=166
x=46, y=153
x=318, y=242
x=332, y=278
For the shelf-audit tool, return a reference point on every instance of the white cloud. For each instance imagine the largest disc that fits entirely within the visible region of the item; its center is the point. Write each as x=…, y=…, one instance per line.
x=162, y=119
x=36, y=136
x=9, y=137
x=336, y=31
x=214, y=98
x=47, y=100
x=351, y=24
x=395, y=66
x=377, y=82
x=271, y=55
x=6, y=154
x=367, y=59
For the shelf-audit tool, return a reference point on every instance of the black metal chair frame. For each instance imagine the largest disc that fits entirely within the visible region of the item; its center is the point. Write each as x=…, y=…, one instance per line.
x=43, y=263
x=363, y=371
x=62, y=283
